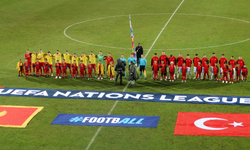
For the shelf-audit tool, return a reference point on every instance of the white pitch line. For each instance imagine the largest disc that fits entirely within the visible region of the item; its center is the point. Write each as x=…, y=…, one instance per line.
x=99, y=129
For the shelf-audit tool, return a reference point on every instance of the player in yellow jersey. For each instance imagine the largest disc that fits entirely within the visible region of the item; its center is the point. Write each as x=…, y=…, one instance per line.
x=33, y=61
x=92, y=59
x=58, y=56
x=49, y=58
x=67, y=58
x=40, y=56
x=74, y=57
x=84, y=59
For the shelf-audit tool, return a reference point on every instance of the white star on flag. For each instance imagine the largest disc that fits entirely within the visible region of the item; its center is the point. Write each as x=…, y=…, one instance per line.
x=235, y=124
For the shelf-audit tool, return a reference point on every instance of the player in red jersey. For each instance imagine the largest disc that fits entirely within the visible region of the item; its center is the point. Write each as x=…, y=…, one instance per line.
x=58, y=70
x=171, y=71
x=26, y=67
x=244, y=73
x=155, y=69
x=172, y=58
x=206, y=70
x=203, y=60
x=46, y=68
x=188, y=62
x=180, y=61
x=82, y=69
x=74, y=69
x=196, y=59
x=215, y=72
x=222, y=61
x=231, y=74
x=163, y=67
x=232, y=62
x=199, y=69
x=238, y=72
x=28, y=57
x=37, y=67
x=213, y=60
x=89, y=70
x=225, y=71
x=184, y=72
x=241, y=62
x=154, y=58
x=164, y=58
x=64, y=68
x=109, y=58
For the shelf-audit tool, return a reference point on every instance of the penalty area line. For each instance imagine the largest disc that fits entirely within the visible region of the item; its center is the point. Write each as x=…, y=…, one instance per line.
x=111, y=110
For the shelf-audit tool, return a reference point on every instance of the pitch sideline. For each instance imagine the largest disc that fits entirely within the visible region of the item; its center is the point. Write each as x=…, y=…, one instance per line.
x=99, y=129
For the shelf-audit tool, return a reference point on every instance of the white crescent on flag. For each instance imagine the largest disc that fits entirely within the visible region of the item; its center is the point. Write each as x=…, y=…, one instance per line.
x=200, y=123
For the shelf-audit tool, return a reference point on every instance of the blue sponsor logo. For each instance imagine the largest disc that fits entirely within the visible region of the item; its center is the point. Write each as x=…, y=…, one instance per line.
x=106, y=120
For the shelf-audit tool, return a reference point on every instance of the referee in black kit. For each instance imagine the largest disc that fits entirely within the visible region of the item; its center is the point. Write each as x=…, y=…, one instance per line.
x=139, y=52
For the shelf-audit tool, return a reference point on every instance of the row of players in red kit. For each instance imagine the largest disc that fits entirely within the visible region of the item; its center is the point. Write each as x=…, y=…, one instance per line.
x=229, y=70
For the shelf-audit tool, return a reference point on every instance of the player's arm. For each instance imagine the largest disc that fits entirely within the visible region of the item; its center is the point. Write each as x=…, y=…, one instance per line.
x=151, y=62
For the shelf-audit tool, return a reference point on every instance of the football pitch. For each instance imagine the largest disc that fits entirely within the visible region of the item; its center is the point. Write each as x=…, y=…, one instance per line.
x=174, y=26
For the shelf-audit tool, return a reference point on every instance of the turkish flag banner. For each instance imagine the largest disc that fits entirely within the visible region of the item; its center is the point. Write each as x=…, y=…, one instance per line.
x=17, y=116
x=212, y=124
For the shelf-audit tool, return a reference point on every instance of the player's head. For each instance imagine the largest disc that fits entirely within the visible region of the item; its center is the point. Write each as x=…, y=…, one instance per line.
x=40, y=50
x=131, y=55
x=74, y=54
x=63, y=60
x=111, y=62
x=37, y=60
x=225, y=63
x=184, y=64
x=171, y=55
x=180, y=55
x=196, y=55
x=163, y=53
x=213, y=54
x=206, y=62
x=28, y=51
x=142, y=56
x=57, y=61
x=122, y=56
x=232, y=57
x=48, y=52
x=100, y=62
x=34, y=52
x=155, y=54
x=199, y=62
x=83, y=54
x=57, y=51
x=222, y=55
x=26, y=60
x=245, y=66
x=171, y=63
x=46, y=60
x=81, y=61
x=188, y=56
x=215, y=64
x=91, y=53
x=20, y=60
x=162, y=62
x=204, y=56
x=240, y=57
x=74, y=61
x=237, y=64
x=89, y=62
x=109, y=54
x=67, y=52
x=139, y=44
x=100, y=53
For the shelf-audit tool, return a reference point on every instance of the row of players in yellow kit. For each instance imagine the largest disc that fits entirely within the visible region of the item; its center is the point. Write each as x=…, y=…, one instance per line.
x=42, y=62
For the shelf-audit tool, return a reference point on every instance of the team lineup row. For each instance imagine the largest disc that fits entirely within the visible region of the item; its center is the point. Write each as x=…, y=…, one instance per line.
x=42, y=63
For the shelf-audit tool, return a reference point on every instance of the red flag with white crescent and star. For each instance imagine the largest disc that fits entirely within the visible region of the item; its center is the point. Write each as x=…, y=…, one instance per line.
x=212, y=124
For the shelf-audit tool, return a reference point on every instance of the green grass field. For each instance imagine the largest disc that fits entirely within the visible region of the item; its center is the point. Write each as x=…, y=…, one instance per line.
x=36, y=24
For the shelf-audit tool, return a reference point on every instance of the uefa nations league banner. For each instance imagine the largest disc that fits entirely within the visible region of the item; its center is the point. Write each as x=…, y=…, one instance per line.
x=125, y=96
x=106, y=120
